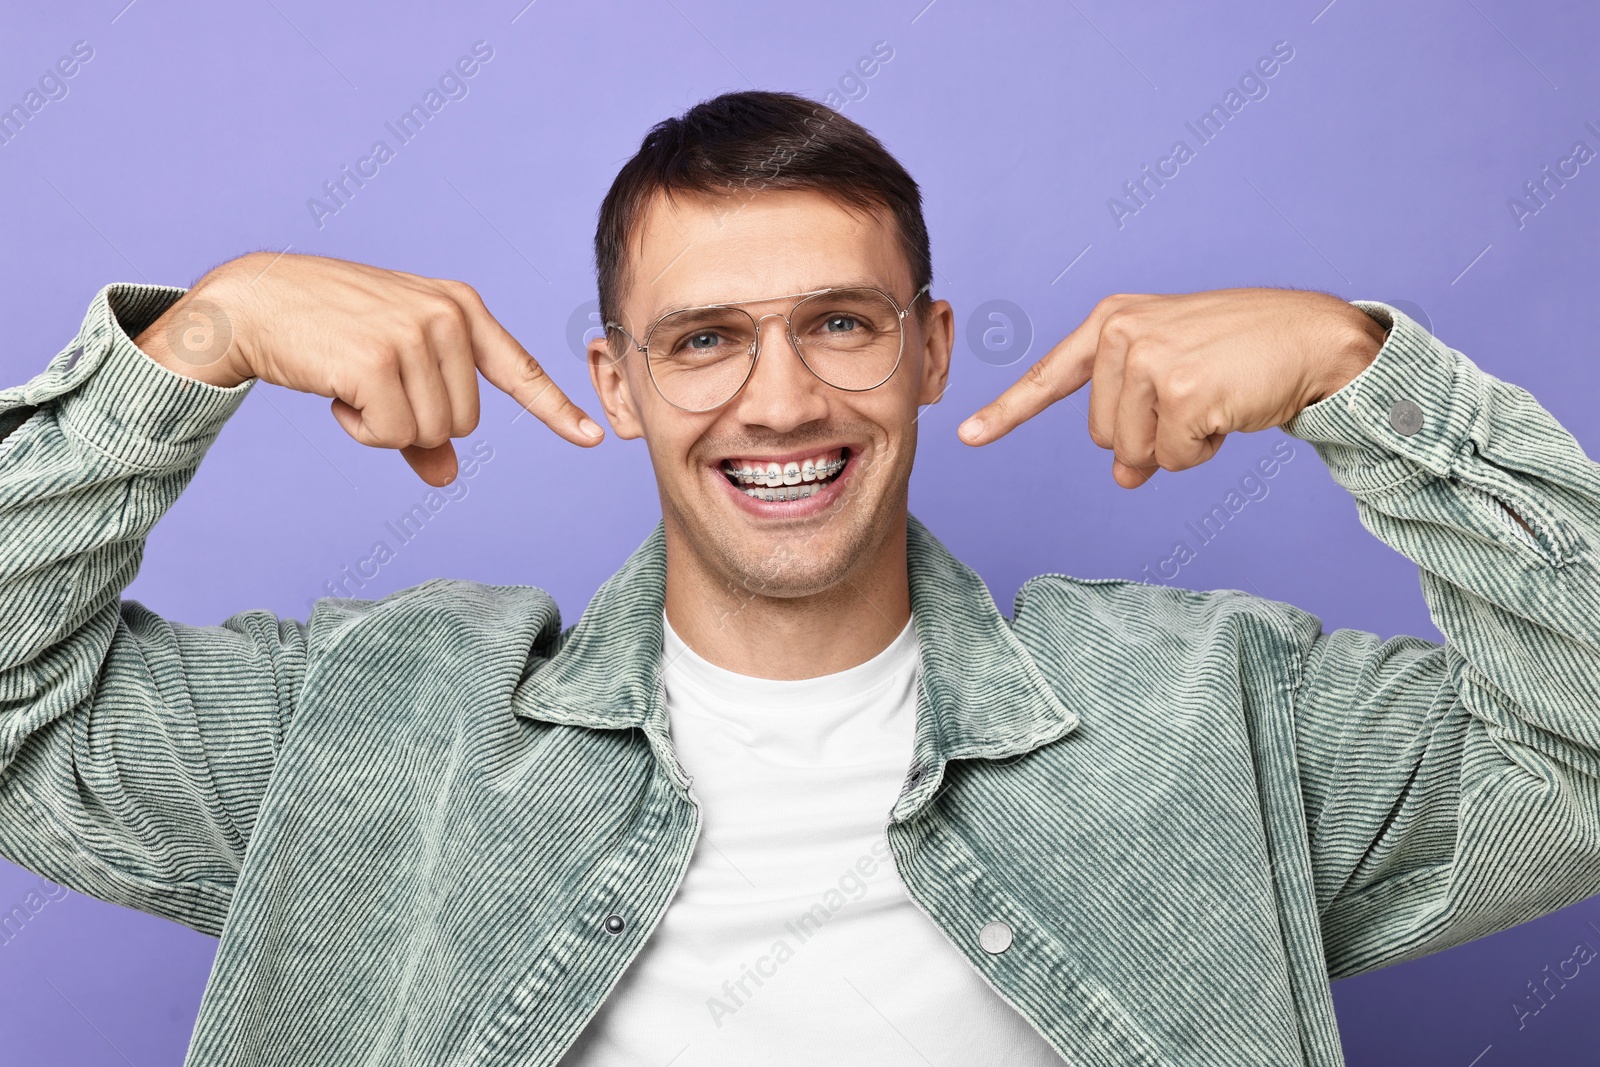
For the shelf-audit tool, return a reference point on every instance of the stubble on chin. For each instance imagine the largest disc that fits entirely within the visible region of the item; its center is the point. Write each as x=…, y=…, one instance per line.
x=817, y=559
x=796, y=566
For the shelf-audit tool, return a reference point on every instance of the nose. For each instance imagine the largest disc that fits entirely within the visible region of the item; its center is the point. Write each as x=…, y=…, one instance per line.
x=781, y=394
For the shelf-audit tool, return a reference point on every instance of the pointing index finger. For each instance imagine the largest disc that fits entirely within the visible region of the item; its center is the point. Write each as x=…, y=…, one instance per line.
x=1060, y=373
x=508, y=366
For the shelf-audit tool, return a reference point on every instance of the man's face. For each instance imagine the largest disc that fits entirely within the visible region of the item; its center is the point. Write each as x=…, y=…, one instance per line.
x=694, y=251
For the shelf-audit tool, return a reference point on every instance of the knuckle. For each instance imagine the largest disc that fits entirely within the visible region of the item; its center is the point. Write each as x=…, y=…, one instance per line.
x=532, y=373
x=462, y=293
x=365, y=434
x=1038, y=376
x=404, y=435
x=1180, y=385
x=440, y=311
x=1120, y=323
x=1111, y=303
x=433, y=424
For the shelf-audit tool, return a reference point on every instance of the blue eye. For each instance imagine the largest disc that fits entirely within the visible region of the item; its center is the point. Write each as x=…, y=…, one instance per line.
x=840, y=323
x=702, y=340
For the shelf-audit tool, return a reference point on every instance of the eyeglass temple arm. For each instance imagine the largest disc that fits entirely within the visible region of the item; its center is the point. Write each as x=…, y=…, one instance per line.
x=625, y=333
x=913, y=299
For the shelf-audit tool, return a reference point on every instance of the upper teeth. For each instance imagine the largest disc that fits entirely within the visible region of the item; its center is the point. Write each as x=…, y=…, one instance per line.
x=791, y=473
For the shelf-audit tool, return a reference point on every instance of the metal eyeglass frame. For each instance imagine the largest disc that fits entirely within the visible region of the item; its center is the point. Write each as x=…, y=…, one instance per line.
x=788, y=329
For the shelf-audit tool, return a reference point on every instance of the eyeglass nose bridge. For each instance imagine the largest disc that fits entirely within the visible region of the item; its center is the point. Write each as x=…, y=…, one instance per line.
x=755, y=346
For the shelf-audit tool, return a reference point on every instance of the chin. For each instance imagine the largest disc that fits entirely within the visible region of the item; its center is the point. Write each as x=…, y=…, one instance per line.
x=789, y=575
x=790, y=560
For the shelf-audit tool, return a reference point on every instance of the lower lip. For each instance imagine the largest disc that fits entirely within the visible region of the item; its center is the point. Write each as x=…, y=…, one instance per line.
x=790, y=509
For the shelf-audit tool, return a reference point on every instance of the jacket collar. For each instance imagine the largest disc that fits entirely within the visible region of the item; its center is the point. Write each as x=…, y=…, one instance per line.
x=981, y=695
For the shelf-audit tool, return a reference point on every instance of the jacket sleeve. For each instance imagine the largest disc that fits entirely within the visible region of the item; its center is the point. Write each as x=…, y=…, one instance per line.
x=134, y=751
x=1453, y=790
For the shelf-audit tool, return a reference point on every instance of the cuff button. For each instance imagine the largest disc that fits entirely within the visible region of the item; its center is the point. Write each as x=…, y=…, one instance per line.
x=995, y=937
x=1405, y=417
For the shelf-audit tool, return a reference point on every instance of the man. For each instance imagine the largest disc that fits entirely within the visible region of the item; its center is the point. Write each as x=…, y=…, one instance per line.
x=792, y=790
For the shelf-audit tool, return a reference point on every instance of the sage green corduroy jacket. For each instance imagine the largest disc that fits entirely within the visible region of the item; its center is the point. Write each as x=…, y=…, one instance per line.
x=408, y=819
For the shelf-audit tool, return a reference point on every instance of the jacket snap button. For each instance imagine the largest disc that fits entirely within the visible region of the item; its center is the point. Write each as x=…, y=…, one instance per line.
x=1405, y=417
x=615, y=924
x=995, y=937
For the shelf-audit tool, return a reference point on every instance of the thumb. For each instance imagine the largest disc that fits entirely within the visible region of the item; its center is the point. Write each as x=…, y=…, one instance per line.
x=437, y=466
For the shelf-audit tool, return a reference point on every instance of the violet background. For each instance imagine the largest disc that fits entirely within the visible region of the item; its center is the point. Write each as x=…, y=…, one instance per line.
x=1378, y=166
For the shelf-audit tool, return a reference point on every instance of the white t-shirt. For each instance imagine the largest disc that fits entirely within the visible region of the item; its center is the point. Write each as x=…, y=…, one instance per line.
x=791, y=939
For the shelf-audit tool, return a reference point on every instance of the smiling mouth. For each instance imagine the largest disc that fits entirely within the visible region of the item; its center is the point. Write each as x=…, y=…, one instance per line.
x=793, y=480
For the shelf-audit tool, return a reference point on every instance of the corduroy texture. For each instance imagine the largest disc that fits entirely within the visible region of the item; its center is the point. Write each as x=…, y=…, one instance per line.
x=408, y=819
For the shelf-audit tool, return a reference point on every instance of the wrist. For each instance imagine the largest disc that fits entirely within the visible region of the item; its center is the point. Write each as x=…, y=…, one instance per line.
x=1358, y=338
x=202, y=335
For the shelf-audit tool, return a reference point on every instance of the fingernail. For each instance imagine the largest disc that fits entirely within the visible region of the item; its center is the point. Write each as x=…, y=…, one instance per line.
x=589, y=428
x=973, y=427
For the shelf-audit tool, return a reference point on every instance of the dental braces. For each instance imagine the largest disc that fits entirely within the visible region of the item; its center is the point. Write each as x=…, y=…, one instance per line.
x=798, y=474
x=783, y=492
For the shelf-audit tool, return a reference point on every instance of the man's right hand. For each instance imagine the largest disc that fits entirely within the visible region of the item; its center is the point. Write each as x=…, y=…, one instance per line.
x=398, y=353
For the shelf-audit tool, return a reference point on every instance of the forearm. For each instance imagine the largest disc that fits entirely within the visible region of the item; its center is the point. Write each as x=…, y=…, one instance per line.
x=99, y=447
x=133, y=750
x=1496, y=501
x=1455, y=790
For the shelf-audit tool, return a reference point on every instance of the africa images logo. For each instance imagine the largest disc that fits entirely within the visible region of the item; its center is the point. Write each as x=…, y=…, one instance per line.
x=1206, y=128
x=452, y=85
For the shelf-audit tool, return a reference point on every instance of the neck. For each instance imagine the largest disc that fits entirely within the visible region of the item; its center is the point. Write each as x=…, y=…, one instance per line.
x=789, y=637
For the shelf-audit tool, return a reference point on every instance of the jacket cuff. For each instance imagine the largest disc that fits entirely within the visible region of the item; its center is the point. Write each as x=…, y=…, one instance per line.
x=1413, y=407
x=113, y=396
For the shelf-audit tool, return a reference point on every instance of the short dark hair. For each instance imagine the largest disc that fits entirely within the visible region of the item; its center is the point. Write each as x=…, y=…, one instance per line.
x=749, y=141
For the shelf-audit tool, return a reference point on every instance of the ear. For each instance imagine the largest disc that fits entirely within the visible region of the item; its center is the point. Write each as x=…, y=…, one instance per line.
x=608, y=372
x=938, y=336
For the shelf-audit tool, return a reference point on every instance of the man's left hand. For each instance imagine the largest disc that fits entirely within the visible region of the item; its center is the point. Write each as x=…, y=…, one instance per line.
x=1174, y=374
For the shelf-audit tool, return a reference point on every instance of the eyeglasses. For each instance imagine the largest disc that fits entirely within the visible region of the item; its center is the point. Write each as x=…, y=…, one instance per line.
x=699, y=358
